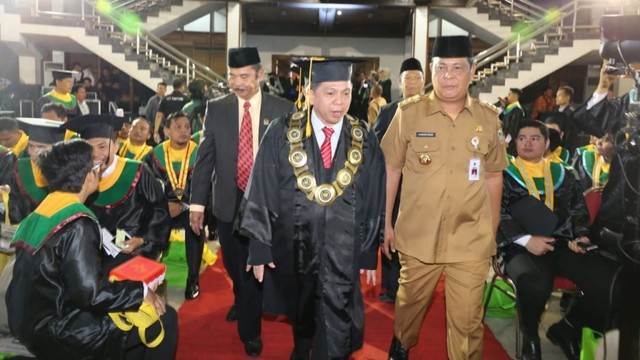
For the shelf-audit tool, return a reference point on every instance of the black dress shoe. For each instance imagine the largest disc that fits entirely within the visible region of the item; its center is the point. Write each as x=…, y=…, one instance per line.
x=253, y=347
x=397, y=351
x=565, y=336
x=232, y=315
x=531, y=350
x=387, y=298
x=192, y=290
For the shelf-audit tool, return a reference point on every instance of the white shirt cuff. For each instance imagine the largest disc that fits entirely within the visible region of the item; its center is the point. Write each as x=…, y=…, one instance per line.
x=196, y=208
x=522, y=241
x=146, y=290
x=595, y=98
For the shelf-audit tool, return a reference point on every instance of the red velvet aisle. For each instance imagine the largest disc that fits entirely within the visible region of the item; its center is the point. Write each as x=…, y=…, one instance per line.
x=204, y=333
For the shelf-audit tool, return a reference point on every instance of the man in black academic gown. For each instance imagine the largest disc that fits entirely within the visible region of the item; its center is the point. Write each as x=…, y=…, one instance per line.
x=535, y=250
x=314, y=216
x=172, y=163
x=27, y=185
x=129, y=201
x=61, y=93
x=59, y=299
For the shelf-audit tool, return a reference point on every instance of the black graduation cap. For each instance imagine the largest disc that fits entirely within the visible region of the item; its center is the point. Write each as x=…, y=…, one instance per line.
x=411, y=64
x=244, y=56
x=42, y=130
x=452, y=47
x=62, y=74
x=321, y=70
x=95, y=126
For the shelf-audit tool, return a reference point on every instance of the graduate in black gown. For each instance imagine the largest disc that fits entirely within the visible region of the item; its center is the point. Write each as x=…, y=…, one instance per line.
x=59, y=298
x=172, y=163
x=314, y=215
x=27, y=185
x=130, y=200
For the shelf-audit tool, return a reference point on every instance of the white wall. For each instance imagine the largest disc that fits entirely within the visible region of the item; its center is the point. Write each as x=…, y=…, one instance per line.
x=390, y=51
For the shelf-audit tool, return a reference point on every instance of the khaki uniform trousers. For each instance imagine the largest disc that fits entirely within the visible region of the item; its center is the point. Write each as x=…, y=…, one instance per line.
x=464, y=285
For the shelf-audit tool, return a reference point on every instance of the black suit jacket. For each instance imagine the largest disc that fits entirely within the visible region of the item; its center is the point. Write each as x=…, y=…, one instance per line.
x=215, y=171
x=384, y=118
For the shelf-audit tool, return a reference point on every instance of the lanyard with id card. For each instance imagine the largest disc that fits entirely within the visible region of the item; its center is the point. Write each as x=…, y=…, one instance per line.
x=474, y=162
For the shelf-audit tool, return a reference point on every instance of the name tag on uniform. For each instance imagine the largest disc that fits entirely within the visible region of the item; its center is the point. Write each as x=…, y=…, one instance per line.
x=474, y=169
x=425, y=134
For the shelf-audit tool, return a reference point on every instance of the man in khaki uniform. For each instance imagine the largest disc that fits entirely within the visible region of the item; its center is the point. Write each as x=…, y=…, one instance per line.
x=450, y=151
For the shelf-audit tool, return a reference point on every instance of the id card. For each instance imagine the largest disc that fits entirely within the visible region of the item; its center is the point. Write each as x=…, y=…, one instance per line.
x=474, y=169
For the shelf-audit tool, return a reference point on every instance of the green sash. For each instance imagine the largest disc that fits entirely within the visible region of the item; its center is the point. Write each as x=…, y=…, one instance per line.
x=27, y=182
x=37, y=228
x=67, y=104
x=588, y=159
x=123, y=187
x=158, y=153
x=557, y=174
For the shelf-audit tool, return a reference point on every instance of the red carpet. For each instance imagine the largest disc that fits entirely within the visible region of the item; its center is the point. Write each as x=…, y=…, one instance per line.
x=204, y=333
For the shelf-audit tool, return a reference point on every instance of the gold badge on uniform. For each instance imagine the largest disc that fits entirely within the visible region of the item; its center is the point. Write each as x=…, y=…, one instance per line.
x=479, y=128
x=425, y=159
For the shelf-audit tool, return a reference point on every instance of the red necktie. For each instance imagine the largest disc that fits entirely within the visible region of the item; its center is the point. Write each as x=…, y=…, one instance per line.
x=325, y=149
x=245, y=149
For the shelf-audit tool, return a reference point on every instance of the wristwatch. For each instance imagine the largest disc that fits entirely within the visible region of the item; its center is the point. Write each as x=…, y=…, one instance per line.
x=184, y=207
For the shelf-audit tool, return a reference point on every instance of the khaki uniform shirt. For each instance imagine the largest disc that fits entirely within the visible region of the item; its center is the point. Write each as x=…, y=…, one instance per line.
x=444, y=216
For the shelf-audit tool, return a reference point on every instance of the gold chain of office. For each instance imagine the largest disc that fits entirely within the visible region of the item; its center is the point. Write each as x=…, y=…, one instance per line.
x=327, y=193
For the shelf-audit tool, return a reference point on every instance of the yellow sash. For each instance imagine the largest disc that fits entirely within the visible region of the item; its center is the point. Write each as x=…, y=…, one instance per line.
x=143, y=318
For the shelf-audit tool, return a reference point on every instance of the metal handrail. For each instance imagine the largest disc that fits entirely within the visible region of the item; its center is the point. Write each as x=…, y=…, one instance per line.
x=541, y=26
x=143, y=42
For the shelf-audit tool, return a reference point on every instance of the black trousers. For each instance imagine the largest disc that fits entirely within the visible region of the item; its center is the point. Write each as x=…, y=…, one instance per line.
x=533, y=276
x=193, y=245
x=246, y=289
x=135, y=349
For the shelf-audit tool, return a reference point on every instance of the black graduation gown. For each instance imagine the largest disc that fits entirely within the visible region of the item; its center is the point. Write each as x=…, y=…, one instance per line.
x=569, y=206
x=25, y=194
x=317, y=250
x=138, y=206
x=6, y=164
x=609, y=117
x=65, y=316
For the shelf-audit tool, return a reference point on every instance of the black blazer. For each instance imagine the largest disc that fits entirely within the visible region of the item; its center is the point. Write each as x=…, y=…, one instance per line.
x=216, y=162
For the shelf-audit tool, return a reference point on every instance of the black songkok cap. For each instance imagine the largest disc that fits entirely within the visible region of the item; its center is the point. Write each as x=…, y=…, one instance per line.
x=244, y=56
x=42, y=130
x=323, y=70
x=452, y=47
x=95, y=126
x=411, y=64
x=62, y=74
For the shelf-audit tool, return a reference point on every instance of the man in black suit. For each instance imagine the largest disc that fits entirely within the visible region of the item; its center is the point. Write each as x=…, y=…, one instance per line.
x=411, y=82
x=232, y=129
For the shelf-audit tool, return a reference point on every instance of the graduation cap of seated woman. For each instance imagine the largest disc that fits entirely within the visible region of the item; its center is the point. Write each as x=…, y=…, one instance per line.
x=95, y=126
x=42, y=130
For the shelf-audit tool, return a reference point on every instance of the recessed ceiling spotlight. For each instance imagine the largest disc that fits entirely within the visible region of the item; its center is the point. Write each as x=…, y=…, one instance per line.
x=339, y=12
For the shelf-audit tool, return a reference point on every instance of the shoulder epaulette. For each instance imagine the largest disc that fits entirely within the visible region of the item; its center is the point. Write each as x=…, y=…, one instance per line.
x=488, y=106
x=410, y=101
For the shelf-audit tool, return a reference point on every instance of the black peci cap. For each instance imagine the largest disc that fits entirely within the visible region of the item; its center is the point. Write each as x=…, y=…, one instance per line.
x=42, y=130
x=62, y=74
x=452, y=47
x=95, y=126
x=322, y=70
x=244, y=56
x=411, y=64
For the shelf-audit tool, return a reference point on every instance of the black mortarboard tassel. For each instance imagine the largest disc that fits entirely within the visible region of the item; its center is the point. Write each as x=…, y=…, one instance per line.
x=95, y=126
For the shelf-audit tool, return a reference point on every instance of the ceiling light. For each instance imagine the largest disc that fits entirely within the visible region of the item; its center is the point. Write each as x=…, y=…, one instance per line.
x=339, y=12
